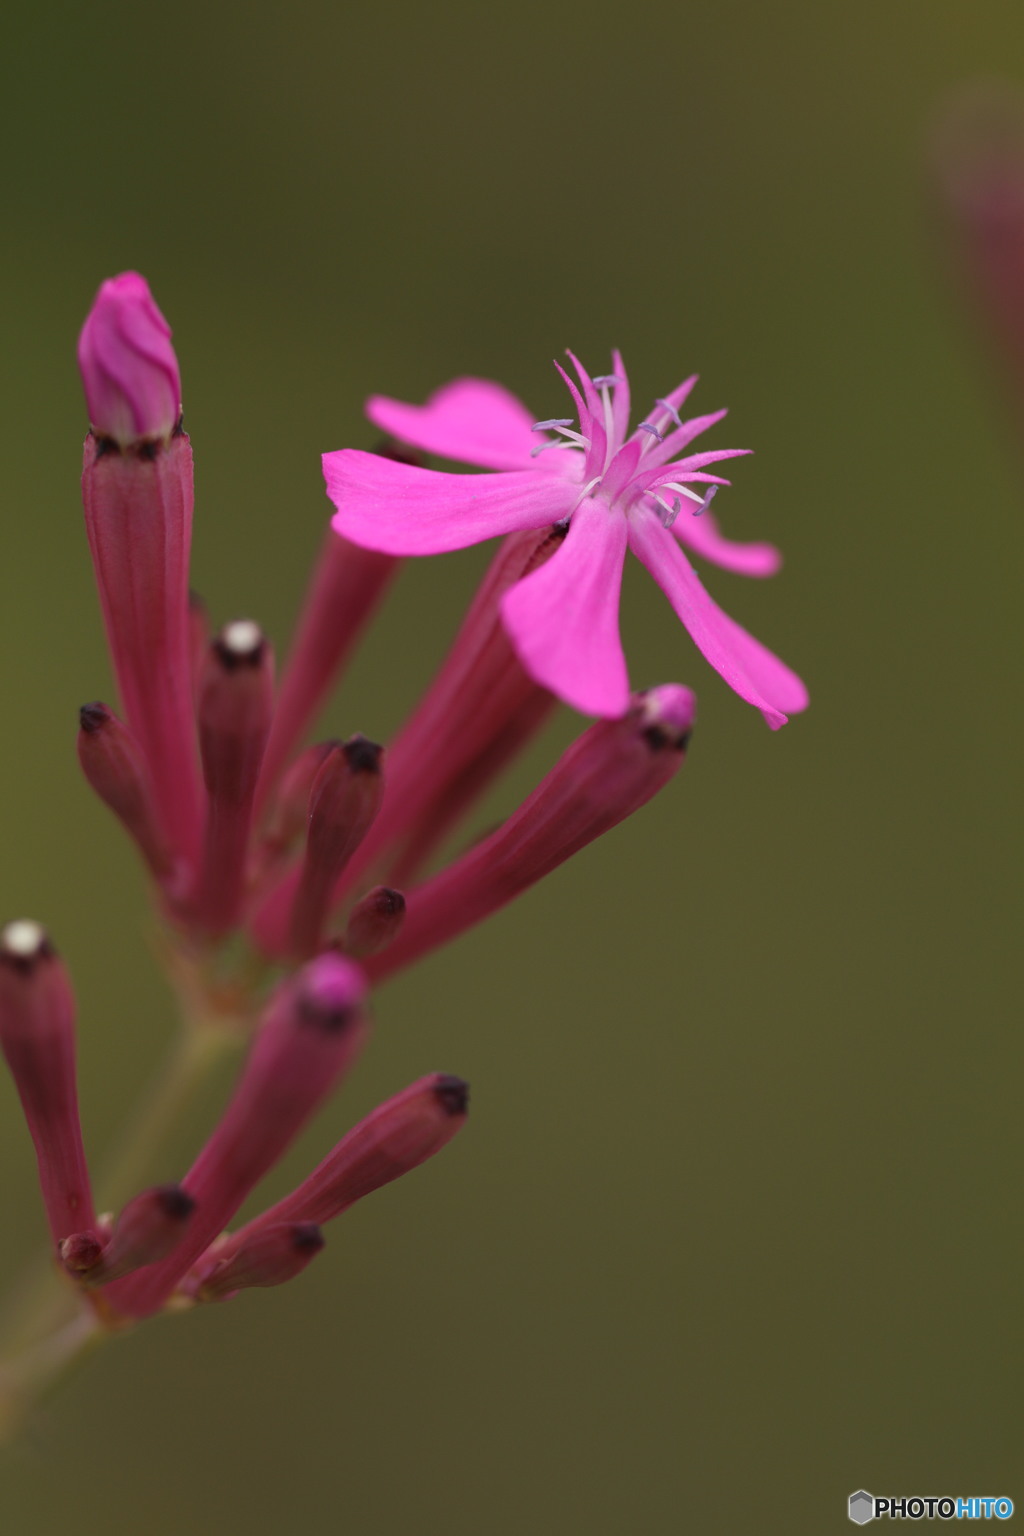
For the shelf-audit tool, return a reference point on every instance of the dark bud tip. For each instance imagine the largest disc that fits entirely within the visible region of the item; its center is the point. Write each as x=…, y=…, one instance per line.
x=318, y=1014
x=452, y=1093
x=93, y=717
x=240, y=644
x=363, y=755
x=176, y=1203
x=388, y=902
x=401, y=453
x=23, y=944
x=658, y=738
x=307, y=1237
x=81, y=1253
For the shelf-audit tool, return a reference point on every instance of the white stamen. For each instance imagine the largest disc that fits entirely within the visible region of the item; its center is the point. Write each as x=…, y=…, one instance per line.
x=242, y=637
x=540, y=448
x=586, y=492
x=647, y=426
x=555, y=421
x=606, y=380
x=712, y=492
x=23, y=938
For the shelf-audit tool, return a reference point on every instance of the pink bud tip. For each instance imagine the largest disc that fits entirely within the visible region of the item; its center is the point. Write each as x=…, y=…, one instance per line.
x=331, y=987
x=128, y=366
x=668, y=713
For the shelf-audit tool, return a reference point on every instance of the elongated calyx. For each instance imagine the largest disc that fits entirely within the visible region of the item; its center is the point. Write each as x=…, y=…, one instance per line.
x=129, y=370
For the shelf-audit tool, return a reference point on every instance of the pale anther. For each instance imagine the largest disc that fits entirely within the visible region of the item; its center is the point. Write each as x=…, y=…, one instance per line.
x=670, y=410
x=605, y=380
x=556, y=421
x=647, y=426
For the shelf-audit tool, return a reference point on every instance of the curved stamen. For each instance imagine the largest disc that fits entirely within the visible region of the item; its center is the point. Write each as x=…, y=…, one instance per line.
x=670, y=411
x=550, y=425
x=606, y=380
x=585, y=493
x=541, y=447
x=648, y=426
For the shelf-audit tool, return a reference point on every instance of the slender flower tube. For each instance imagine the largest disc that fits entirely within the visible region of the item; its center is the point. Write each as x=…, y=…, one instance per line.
x=236, y=701
x=374, y=922
x=148, y=1229
x=480, y=711
x=137, y=491
x=37, y=1035
x=199, y=638
x=608, y=773
x=288, y=811
x=313, y=1030
x=345, y=797
x=116, y=770
x=270, y=1257
x=609, y=488
x=398, y=1136
x=348, y=584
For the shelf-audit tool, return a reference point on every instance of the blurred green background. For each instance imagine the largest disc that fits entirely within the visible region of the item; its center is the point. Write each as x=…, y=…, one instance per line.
x=733, y=1230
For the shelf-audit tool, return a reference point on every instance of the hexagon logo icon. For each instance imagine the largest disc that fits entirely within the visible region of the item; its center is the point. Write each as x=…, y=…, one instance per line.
x=862, y=1507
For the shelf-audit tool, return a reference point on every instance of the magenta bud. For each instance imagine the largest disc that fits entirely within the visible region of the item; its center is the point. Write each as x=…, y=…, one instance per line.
x=37, y=1035
x=289, y=808
x=81, y=1252
x=374, y=922
x=149, y=1228
x=345, y=797
x=608, y=773
x=398, y=1136
x=270, y=1257
x=198, y=637
x=115, y=769
x=129, y=370
x=235, y=705
x=313, y=1029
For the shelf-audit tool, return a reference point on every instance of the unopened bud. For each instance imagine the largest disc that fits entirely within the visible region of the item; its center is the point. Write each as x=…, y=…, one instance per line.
x=608, y=773
x=313, y=1029
x=270, y=1257
x=345, y=797
x=115, y=769
x=149, y=1228
x=37, y=1035
x=289, y=809
x=398, y=1136
x=236, y=701
x=129, y=370
x=374, y=922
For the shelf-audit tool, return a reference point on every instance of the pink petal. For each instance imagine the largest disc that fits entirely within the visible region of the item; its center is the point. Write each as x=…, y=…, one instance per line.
x=701, y=535
x=747, y=666
x=677, y=440
x=472, y=420
x=404, y=511
x=564, y=618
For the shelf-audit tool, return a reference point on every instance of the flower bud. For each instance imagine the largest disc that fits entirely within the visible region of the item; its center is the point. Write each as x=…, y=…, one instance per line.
x=398, y=1136
x=37, y=1035
x=236, y=701
x=312, y=1032
x=115, y=768
x=374, y=922
x=129, y=370
x=149, y=1228
x=608, y=773
x=270, y=1257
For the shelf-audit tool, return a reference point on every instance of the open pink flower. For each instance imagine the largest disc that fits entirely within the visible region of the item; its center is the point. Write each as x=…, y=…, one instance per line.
x=606, y=487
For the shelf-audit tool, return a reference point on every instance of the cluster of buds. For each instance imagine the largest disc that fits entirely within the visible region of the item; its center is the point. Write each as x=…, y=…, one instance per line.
x=288, y=877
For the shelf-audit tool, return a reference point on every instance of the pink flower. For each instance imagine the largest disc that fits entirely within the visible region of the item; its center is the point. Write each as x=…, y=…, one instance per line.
x=606, y=488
